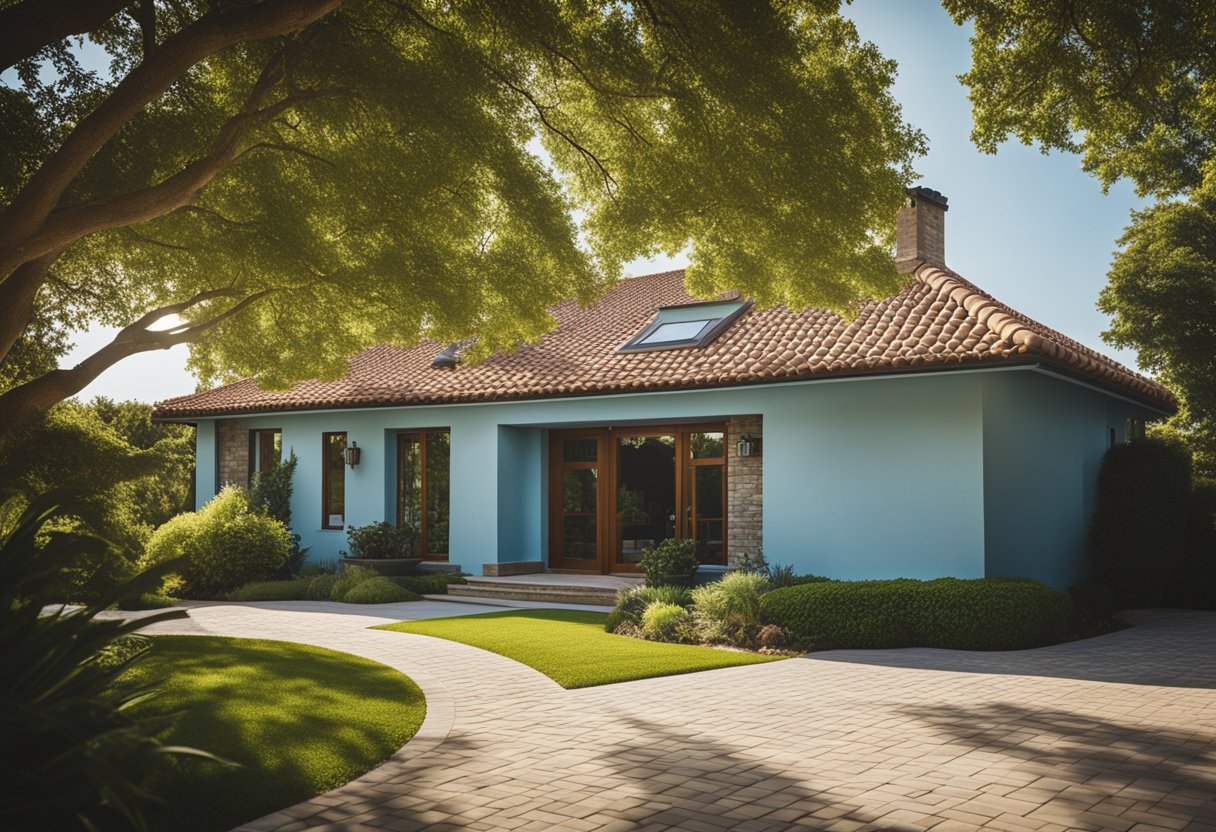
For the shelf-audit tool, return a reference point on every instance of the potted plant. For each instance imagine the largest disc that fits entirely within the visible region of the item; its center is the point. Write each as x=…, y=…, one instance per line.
x=383, y=547
x=672, y=562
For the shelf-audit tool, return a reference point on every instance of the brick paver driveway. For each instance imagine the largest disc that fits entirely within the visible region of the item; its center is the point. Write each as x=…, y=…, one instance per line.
x=1112, y=733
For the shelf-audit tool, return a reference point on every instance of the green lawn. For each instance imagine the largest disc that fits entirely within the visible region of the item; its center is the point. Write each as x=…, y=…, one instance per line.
x=300, y=721
x=571, y=647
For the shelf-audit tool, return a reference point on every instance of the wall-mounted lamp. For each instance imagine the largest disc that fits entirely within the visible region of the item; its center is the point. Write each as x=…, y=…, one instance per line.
x=748, y=446
x=352, y=454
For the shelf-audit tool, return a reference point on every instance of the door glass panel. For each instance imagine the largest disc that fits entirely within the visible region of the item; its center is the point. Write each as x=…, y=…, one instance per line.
x=707, y=445
x=580, y=450
x=578, y=540
x=579, y=490
x=708, y=525
x=409, y=481
x=645, y=494
x=438, y=465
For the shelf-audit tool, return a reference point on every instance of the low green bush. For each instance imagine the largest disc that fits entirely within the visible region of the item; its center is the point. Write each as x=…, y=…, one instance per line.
x=378, y=590
x=979, y=614
x=381, y=540
x=436, y=584
x=665, y=622
x=728, y=611
x=320, y=588
x=225, y=544
x=295, y=589
x=671, y=561
x=146, y=601
x=631, y=603
x=351, y=577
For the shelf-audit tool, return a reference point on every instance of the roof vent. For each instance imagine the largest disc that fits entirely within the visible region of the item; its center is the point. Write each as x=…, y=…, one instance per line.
x=449, y=358
x=920, y=230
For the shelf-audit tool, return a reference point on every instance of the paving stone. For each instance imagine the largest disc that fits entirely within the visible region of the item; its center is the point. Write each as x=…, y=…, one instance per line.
x=1114, y=733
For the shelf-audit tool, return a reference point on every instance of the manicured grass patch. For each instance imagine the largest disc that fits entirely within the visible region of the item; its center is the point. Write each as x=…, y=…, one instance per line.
x=571, y=647
x=300, y=720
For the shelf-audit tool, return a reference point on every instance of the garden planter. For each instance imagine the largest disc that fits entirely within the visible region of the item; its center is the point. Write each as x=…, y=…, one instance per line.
x=389, y=567
x=683, y=580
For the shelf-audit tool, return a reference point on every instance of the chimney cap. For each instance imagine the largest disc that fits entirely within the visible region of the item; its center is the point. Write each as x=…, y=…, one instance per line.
x=929, y=195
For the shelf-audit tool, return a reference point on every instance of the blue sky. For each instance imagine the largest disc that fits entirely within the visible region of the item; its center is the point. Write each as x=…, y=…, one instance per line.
x=1031, y=229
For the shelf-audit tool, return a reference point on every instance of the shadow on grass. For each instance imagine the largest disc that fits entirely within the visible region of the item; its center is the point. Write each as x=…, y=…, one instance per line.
x=299, y=721
x=1170, y=652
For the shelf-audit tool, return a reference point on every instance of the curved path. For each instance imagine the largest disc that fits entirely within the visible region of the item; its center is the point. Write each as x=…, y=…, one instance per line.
x=1117, y=732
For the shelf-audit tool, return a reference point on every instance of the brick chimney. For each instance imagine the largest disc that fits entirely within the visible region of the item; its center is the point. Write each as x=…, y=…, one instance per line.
x=920, y=230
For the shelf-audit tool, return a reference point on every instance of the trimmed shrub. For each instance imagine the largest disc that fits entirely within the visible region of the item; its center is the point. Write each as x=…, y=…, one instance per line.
x=146, y=601
x=980, y=614
x=665, y=622
x=225, y=544
x=377, y=590
x=728, y=610
x=427, y=584
x=1138, y=537
x=295, y=589
x=271, y=490
x=381, y=540
x=1194, y=584
x=783, y=575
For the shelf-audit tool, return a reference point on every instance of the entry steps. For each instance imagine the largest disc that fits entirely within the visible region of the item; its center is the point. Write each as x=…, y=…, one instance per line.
x=518, y=588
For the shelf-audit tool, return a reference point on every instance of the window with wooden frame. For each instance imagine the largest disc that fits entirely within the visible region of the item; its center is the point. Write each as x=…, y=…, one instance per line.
x=423, y=490
x=265, y=450
x=333, y=480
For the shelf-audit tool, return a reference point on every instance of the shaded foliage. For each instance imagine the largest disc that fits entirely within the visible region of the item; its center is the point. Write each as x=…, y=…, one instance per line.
x=72, y=754
x=116, y=474
x=351, y=173
x=1139, y=533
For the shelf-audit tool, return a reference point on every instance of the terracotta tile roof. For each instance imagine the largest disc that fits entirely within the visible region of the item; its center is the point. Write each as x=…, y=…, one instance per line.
x=939, y=321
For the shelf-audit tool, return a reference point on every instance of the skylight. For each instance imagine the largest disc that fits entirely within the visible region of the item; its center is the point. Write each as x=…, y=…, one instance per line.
x=689, y=326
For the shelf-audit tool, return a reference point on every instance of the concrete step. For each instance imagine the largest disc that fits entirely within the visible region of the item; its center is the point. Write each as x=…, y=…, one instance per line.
x=514, y=591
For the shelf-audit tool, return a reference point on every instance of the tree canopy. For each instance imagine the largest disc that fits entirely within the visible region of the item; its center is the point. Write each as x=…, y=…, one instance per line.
x=297, y=180
x=1132, y=87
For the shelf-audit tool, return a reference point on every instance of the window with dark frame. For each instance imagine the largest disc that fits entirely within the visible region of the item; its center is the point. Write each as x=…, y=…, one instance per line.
x=333, y=480
x=265, y=450
x=688, y=326
x=423, y=492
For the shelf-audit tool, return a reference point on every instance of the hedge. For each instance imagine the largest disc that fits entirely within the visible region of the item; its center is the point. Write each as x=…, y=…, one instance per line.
x=980, y=614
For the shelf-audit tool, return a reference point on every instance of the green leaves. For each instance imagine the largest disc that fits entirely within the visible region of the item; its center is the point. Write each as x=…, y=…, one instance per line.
x=449, y=171
x=71, y=754
x=1131, y=86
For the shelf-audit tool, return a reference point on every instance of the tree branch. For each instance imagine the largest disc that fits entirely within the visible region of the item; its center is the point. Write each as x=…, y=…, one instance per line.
x=27, y=28
x=66, y=225
x=17, y=296
x=209, y=34
x=27, y=401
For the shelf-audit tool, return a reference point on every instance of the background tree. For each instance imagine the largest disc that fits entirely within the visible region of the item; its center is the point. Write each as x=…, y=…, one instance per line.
x=299, y=179
x=1131, y=87
x=116, y=475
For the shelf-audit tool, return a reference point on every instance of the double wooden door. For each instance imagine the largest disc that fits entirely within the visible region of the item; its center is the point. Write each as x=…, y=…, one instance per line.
x=616, y=491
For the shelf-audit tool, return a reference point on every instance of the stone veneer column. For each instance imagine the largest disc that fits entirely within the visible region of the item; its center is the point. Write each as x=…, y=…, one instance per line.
x=744, y=491
x=232, y=444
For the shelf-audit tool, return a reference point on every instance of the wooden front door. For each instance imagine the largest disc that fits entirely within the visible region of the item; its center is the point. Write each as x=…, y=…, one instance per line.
x=614, y=492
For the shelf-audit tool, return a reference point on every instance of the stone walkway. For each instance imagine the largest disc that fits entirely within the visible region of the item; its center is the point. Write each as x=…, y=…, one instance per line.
x=1112, y=733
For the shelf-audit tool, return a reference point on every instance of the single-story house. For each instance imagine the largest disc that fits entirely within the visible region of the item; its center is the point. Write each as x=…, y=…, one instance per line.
x=938, y=433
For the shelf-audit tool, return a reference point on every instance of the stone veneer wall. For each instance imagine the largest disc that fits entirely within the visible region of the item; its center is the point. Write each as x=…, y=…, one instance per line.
x=744, y=491
x=232, y=445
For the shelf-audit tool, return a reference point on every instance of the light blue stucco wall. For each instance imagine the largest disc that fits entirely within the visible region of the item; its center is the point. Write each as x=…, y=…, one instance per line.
x=959, y=473
x=204, y=476
x=1044, y=438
